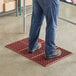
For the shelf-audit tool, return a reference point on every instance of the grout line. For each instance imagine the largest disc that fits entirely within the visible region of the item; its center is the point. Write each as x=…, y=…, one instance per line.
x=67, y=21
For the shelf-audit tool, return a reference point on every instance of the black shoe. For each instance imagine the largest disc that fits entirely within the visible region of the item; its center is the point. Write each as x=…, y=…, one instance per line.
x=37, y=48
x=56, y=54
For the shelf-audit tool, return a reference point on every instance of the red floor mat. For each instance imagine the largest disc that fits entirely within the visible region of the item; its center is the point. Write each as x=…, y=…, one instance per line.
x=21, y=47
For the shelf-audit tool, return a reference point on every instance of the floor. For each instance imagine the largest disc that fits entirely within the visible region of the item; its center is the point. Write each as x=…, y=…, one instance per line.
x=11, y=30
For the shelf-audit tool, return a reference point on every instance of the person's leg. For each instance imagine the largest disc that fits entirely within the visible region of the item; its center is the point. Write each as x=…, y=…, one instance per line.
x=51, y=14
x=36, y=22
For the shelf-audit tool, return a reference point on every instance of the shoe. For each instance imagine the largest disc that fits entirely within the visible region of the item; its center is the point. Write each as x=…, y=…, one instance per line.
x=37, y=48
x=55, y=55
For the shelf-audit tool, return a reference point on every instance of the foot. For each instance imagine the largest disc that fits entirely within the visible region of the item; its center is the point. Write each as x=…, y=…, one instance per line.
x=55, y=55
x=37, y=48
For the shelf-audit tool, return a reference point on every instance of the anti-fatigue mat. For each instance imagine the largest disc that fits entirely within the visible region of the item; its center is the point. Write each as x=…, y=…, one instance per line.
x=38, y=56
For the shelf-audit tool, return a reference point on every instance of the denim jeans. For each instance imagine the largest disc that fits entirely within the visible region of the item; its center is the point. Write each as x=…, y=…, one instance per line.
x=49, y=9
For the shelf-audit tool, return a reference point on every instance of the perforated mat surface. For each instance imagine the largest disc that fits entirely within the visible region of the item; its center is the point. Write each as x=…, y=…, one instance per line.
x=38, y=56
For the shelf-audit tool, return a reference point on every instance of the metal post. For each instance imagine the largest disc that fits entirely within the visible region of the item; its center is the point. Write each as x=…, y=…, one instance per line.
x=24, y=16
x=16, y=7
x=20, y=7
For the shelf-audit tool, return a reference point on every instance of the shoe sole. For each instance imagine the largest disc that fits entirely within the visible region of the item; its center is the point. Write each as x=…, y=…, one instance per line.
x=36, y=49
x=54, y=56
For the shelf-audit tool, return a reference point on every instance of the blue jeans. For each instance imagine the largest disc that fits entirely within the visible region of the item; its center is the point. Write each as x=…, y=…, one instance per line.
x=49, y=9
